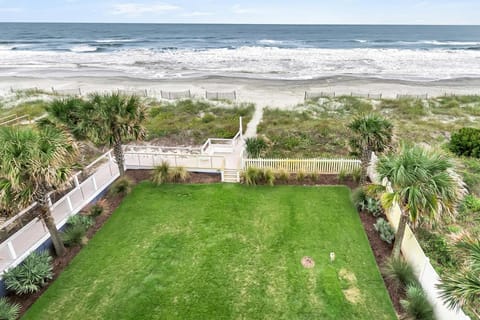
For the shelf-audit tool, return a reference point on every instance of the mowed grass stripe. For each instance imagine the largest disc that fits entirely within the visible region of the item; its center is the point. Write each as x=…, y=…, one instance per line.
x=223, y=252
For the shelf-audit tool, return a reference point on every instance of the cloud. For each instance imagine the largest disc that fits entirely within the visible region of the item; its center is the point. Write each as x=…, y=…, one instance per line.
x=238, y=9
x=138, y=9
x=197, y=14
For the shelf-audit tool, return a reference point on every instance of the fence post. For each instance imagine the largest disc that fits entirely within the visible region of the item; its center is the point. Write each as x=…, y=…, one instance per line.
x=11, y=250
x=75, y=180
x=70, y=206
x=95, y=187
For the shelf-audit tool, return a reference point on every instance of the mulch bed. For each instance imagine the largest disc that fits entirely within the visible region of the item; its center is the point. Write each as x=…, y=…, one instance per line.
x=324, y=179
x=382, y=251
x=110, y=203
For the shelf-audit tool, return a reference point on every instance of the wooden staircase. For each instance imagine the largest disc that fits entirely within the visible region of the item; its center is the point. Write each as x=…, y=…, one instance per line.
x=231, y=176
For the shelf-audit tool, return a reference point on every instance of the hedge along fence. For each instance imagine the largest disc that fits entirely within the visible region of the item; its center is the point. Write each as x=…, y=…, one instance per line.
x=325, y=166
x=415, y=256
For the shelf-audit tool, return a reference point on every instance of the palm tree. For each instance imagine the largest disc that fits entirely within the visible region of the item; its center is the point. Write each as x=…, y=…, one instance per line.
x=463, y=288
x=421, y=183
x=34, y=163
x=371, y=133
x=110, y=119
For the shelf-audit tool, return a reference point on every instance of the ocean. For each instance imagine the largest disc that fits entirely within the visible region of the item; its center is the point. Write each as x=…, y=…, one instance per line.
x=291, y=52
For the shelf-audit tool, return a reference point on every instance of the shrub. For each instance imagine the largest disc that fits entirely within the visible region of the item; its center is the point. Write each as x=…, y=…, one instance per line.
x=356, y=175
x=31, y=275
x=74, y=235
x=342, y=175
x=161, y=173
x=466, y=142
x=8, y=311
x=416, y=304
x=268, y=177
x=470, y=204
x=301, y=175
x=178, y=174
x=437, y=248
x=80, y=219
x=255, y=146
x=97, y=209
x=399, y=272
x=359, y=198
x=251, y=176
x=121, y=187
x=386, y=231
x=282, y=175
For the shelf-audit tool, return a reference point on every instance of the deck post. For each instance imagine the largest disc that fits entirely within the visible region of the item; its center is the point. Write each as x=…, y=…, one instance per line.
x=241, y=128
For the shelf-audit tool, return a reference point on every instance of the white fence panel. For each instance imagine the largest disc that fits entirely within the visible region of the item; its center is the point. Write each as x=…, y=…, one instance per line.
x=326, y=166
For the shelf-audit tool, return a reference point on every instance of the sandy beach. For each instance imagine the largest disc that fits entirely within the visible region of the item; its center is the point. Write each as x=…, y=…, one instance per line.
x=263, y=92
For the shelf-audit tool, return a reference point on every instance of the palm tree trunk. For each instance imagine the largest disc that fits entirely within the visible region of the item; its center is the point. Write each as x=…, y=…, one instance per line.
x=46, y=216
x=365, y=162
x=397, y=245
x=118, y=153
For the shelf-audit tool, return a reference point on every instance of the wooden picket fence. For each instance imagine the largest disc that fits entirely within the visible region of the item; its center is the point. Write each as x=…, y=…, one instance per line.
x=326, y=166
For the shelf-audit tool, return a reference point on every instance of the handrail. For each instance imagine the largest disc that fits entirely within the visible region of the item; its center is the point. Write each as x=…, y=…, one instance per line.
x=105, y=155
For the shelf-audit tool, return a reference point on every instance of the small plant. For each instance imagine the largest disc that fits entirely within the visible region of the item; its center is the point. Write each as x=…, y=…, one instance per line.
x=282, y=175
x=342, y=176
x=251, y=176
x=8, y=311
x=386, y=231
x=31, y=275
x=97, y=209
x=74, y=235
x=301, y=174
x=356, y=175
x=83, y=220
x=161, y=173
x=359, y=198
x=268, y=177
x=470, y=204
x=255, y=146
x=373, y=207
x=416, y=304
x=178, y=174
x=399, y=271
x=121, y=187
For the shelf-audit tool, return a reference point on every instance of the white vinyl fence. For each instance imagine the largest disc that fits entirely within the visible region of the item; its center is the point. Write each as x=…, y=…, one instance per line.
x=414, y=255
x=326, y=166
x=16, y=248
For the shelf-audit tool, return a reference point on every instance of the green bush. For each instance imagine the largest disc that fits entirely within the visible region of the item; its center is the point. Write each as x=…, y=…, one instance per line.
x=470, y=204
x=399, y=272
x=161, y=173
x=466, y=142
x=31, y=275
x=121, y=187
x=386, y=231
x=356, y=175
x=255, y=146
x=178, y=174
x=416, y=304
x=437, y=248
x=253, y=176
x=74, y=235
x=96, y=210
x=8, y=311
x=359, y=198
x=85, y=221
x=282, y=175
x=342, y=175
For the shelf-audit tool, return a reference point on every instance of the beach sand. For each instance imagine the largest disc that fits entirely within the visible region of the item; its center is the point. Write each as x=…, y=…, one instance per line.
x=263, y=92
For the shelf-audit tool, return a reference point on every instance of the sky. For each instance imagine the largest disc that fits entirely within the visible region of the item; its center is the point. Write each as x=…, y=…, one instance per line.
x=249, y=11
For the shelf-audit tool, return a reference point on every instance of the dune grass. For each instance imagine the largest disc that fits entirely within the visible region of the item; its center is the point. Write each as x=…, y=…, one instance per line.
x=192, y=122
x=223, y=252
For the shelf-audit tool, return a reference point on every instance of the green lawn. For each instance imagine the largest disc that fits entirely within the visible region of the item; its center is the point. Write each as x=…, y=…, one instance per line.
x=223, y=252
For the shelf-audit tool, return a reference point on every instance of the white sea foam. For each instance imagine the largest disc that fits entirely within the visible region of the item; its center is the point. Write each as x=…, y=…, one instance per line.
x=259, y=62
x=269, y=41
x=83, y=48
x=115, y=40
